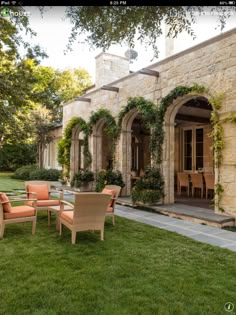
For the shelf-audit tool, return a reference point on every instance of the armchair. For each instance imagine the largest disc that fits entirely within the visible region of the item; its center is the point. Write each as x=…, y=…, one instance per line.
x=17, y=214
x=40, y=190
x=88, y=213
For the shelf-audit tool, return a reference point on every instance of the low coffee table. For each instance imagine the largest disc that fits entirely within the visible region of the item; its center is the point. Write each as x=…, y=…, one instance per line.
x=56, y=210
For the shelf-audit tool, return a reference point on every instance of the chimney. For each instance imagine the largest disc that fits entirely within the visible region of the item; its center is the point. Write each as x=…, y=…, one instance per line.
x=110, y=68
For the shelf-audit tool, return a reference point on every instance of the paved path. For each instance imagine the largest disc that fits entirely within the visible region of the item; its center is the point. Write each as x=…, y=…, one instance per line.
x=199, y=232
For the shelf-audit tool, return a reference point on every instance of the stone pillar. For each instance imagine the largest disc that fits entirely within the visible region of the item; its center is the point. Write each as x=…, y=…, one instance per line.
x=227, y=172
x=168, y=163
x=125, y=163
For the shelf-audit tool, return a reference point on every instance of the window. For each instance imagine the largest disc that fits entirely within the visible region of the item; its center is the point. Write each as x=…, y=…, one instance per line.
x=193, y=149
x=188, y=150
x=135, y=154
x=199, y=148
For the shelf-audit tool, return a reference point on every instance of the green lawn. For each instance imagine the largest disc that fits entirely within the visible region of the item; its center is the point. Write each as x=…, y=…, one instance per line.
x=8, y=184
x=138, y=269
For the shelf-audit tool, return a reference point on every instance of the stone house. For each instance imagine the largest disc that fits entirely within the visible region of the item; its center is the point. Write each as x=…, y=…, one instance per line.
x=187, y=144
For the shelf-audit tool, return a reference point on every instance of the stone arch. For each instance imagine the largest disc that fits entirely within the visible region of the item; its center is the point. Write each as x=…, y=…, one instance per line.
x=76, y=150
x=169, y=139
x=133, y=156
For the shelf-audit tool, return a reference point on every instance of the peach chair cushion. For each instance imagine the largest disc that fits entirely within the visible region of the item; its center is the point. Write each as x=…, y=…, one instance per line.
x=45, y=203
x=68, y=216
x=19, y=212
x=110, y=192
x=41, y=190
x=6, y=206
x=109, y=209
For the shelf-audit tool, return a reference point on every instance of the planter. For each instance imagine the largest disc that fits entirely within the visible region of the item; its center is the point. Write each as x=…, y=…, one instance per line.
x=86, y=187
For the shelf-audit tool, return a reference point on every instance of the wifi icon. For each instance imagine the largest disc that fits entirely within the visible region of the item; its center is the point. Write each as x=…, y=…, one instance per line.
x=13, y=2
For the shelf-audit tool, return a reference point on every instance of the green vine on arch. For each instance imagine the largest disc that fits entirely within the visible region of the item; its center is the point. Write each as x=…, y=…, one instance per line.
x=64, y=144
x=158, y=132
x=110, y=128
x=148, y=111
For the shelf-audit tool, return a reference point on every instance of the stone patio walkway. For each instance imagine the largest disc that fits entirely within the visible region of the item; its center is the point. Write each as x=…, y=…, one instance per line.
x=202, y=233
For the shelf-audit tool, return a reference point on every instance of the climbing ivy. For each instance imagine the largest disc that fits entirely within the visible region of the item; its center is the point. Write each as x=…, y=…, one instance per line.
x=148, y=111
x=64, y=144
x=110, y=126
x=157, y=138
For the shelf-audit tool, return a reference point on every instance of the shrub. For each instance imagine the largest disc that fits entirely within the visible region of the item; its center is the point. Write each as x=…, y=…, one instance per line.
x=150, y=188
x=108, y=177
x=45, y=174
x=82, y=177
x=14, y=156
x=24, y=172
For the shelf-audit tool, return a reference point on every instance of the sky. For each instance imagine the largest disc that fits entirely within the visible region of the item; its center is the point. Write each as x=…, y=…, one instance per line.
x=53, y=31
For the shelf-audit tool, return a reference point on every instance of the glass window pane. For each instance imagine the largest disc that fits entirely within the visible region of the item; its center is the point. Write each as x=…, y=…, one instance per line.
x=188, y=149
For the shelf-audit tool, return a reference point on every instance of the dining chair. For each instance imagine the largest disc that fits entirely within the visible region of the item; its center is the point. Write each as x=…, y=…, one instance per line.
x=209, y=182
x=182, y=181
x=88, y=213
x=17, y=214
x=197, y=183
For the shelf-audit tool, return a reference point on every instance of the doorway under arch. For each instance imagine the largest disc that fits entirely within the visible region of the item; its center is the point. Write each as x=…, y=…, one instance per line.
x=187, y=145
x=135, y=139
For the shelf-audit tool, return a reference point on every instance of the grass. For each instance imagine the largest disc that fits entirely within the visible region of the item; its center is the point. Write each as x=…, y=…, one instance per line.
x=8, y=184
x=138, y=269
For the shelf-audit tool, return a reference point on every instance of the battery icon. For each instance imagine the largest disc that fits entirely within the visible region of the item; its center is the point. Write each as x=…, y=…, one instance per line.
x=231, y=2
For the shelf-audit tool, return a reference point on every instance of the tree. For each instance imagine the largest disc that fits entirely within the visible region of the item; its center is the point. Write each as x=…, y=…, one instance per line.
x=41, y=122
x=107, y=25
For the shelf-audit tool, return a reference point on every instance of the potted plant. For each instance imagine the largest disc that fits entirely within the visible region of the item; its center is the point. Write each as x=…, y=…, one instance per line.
x=148, y=189
x=83, y=180
x=108, y=177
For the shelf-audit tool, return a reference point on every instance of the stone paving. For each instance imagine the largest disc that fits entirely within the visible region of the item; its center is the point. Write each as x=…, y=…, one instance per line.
x=202, y=233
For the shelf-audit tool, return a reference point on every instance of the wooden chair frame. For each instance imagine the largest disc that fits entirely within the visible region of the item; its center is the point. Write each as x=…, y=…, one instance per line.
x=197, y=182
x=183, y=181
x=4, y=222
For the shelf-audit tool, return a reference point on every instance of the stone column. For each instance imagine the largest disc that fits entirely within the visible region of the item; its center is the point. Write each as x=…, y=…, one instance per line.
x=125, y=163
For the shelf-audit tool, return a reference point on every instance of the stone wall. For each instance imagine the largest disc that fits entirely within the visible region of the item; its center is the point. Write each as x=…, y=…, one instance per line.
x=212, y=64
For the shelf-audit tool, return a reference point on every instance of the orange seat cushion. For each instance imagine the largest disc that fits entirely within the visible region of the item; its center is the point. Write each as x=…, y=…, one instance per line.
x=19, y=212
x=68, y=216
x=41, y=191
x=45, y=203
x=109, y=209
x=109, y=192
x=6, y=206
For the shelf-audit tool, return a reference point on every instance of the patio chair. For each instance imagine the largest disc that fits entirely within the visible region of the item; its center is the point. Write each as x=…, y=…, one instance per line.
x=41, y=191
x=197, y=183
x=210, y=182
x=114, y=191
x=17, y=214
x=88, y=213
x=182, y=181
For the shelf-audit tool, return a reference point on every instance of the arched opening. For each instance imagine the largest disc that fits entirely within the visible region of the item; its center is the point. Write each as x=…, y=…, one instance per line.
x=102, y=147
x=187, y=150
x=77, y=151
x=140, y=153
x=135, y=152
